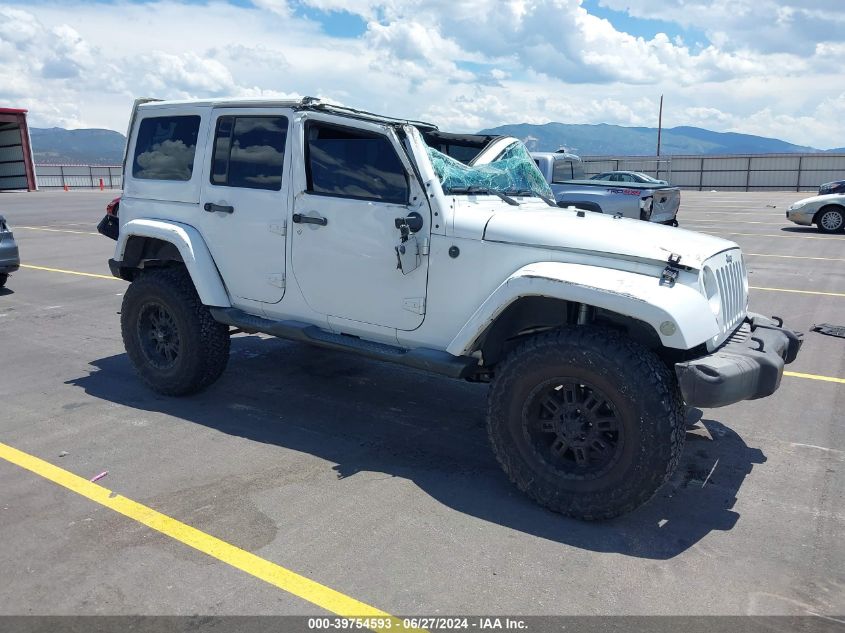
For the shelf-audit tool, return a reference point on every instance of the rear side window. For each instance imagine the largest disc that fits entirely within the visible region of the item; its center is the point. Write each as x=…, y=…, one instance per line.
x=354, y=164
x=562, y=171
x=249, y=151
x=165, y=148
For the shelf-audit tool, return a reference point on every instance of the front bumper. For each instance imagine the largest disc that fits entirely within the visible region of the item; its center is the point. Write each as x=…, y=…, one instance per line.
x=800, y=216
x=748, y=366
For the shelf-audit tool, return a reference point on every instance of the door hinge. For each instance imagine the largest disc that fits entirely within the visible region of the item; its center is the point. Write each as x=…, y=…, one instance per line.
x=425, y=247
x=414, y=304
x=277, y=280
x=279, y=228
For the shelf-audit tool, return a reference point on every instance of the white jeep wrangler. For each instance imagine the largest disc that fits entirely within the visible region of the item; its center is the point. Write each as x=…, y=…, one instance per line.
x=442, y=252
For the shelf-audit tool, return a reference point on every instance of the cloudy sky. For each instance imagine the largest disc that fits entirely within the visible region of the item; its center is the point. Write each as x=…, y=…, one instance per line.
x=769, y=67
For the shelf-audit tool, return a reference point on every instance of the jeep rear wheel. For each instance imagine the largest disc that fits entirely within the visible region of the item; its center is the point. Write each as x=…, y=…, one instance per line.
x=586, y=422
x=174, y=344
x=4, y=277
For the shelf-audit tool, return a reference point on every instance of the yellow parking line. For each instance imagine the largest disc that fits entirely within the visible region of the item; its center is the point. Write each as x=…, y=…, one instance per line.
x=803, y=292
x=803, y=237
x=769, y=214
x=796, y=374
x=693, y=220
x=69, y=272
x=260, y=568
x=826, y=259
x=44, y=228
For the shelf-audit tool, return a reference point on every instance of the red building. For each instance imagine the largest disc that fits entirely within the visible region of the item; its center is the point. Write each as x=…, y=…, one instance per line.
x=16, y=167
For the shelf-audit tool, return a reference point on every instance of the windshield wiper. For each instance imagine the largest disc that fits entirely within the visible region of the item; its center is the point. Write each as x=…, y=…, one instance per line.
x=531, y=192
x=484, y=191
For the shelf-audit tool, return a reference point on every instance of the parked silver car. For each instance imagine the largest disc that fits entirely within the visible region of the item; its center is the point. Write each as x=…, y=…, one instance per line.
x=9, y=257
x=628, y=176
x=827, y=212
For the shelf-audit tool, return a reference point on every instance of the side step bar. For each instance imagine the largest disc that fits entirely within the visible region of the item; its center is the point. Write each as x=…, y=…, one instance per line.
x=423, y=358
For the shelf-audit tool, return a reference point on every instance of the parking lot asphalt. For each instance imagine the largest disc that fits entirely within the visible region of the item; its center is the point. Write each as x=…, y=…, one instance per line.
x=377, y=481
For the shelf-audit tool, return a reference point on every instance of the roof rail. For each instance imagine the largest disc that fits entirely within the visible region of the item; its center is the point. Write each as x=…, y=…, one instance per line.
x=316, y=104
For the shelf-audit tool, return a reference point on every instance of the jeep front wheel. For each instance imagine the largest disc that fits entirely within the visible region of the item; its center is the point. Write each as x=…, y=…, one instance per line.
x=586, y=422
x=174, y=344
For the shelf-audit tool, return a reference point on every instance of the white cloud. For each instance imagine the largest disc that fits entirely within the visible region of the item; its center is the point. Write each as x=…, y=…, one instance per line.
x=465, y=65
x=280, y=7
x=182, y=76
x=759, y=25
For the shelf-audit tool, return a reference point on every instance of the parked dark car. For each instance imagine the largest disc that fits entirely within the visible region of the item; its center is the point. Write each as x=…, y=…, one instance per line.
x=837, y=186
x=10, y=259
x=110, y=225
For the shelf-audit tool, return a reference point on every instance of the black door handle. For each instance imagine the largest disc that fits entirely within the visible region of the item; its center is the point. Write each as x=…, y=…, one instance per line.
x=223, y=208
x=298, y=218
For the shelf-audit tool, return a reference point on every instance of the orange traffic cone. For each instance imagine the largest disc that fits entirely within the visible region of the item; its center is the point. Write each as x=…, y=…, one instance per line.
x=102, y=185
x=66, y=187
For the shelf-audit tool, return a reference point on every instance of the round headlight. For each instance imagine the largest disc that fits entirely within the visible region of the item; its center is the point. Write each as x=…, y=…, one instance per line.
x=711, y=290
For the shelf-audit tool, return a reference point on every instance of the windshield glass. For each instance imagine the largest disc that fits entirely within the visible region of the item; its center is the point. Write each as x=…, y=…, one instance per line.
x=514, y=172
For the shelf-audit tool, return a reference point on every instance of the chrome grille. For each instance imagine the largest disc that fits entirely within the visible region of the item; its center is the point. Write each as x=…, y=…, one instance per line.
x=730, y=277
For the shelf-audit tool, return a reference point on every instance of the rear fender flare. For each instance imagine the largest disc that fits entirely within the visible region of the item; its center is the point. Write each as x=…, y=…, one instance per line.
x=192, y=248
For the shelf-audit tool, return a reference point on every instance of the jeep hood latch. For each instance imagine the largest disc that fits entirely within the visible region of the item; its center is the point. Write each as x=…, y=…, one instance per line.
x=671, y=272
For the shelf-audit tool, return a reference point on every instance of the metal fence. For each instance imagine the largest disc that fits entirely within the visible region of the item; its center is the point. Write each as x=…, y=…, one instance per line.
x=744, y=172
x=79, y=176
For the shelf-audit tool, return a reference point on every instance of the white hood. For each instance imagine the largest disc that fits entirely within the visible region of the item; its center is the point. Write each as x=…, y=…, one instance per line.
x=598, y=233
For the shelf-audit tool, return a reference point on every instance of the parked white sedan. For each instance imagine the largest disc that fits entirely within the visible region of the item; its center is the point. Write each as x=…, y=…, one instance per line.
x=827, y=212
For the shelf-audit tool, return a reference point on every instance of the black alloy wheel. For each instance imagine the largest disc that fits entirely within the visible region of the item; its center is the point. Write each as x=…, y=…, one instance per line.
x=574, y=428
x=159, y=335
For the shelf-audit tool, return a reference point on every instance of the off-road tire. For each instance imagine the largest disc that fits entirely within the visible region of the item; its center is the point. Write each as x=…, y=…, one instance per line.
x=831, y=219
x=203, y=343
x=4, y=277
x=645, y=399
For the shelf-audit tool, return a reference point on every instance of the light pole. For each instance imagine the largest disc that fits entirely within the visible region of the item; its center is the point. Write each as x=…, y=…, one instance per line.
x=659, y=132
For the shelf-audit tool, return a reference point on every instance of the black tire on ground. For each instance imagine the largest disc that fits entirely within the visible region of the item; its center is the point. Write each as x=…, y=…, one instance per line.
x=831, y=219
x=175, y=345
x=4, y=277
x=586, y=422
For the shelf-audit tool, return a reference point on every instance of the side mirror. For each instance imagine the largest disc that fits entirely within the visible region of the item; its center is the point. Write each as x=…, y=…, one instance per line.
x=413, y=221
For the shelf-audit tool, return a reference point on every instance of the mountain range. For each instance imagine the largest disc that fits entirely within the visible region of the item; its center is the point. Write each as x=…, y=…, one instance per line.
x=105, y=147
x=610, y=140
x=58, y=146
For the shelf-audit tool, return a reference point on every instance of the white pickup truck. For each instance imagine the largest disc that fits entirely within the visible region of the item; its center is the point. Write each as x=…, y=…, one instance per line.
x=363, y=233
x=641, y=201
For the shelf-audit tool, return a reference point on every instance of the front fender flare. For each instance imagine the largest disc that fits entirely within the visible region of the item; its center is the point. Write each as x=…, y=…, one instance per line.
x=195, y=255
x=635, y=295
